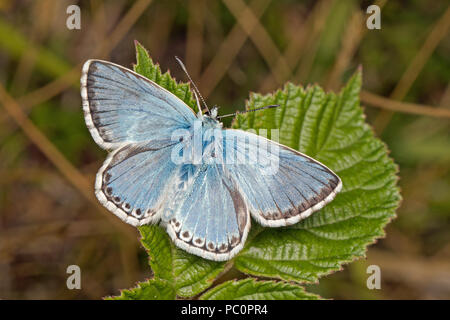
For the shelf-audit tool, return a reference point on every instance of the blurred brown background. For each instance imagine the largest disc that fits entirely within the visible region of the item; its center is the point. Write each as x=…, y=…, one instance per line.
x=49, y=217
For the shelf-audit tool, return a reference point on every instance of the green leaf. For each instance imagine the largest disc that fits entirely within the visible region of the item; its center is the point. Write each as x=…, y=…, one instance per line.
x=250, y=289
x=186, y=273
x=331, y=129
x=149, y=290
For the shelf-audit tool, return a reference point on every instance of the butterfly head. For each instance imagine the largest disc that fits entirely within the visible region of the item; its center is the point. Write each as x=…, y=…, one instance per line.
x=214, y=112
x=210, y=118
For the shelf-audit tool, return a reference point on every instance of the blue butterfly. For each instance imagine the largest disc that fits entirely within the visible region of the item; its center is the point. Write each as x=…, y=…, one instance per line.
x=171, y=166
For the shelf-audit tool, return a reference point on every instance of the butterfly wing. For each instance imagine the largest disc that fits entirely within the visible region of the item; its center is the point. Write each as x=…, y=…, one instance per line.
x=135, y=118
x=281, y=186
x=122, y=106
x=212, y=220
x=134, y=180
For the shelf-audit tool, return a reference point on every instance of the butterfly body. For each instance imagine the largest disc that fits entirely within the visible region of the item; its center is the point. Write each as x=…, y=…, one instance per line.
x=200, y=181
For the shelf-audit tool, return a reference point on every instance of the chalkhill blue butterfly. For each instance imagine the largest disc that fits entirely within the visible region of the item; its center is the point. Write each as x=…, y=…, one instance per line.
x=201, y=182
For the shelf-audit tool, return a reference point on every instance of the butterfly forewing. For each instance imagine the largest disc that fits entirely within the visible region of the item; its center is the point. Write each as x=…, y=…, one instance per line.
x=281, y=186
x=123, y=106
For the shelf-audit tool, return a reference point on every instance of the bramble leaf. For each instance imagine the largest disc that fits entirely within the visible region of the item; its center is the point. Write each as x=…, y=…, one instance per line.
x=331, y=129
x=149, y=290
x=250, y=289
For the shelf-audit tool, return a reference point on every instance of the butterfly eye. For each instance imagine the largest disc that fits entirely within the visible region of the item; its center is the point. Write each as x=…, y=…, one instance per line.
x=181, y=139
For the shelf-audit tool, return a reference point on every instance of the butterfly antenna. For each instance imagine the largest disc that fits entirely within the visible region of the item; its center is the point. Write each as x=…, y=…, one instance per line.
x=193, y=83
x=251, y=110
x=199, y=107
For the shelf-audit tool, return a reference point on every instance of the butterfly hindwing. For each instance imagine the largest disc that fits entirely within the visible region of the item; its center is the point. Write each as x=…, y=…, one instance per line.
x=281, y=186
x=133, y=181
x=123, y=106
x=213, y=220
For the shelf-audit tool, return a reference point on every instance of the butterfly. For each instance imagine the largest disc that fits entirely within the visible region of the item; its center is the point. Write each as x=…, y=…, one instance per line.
x=169, y=165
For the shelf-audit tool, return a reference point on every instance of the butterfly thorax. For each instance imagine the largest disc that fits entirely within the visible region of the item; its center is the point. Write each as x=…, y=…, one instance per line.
x=211, y=123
